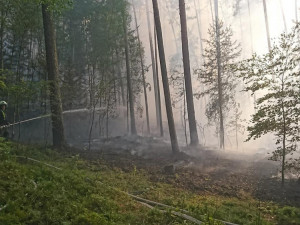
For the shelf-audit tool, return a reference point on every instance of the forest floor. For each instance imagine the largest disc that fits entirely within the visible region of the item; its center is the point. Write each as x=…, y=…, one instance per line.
x=39, y=185
x=202, y=171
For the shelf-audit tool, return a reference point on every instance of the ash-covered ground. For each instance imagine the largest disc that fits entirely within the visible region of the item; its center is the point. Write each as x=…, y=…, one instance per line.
x=200, y=170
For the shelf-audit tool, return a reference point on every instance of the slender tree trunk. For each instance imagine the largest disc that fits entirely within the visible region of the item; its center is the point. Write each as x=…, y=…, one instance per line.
x=283, y=16
x=236, y=132
x=211, y=11
x=143, y=71
x=252, y=49
x=250, y=24
x=172, y=26
x=155, y=74
x=199, y=31
x=1, y=38
x=187, y=76
x=52, y=68
x=220, y=87
x=283, y=145
x=296, y=10
x=161, y=128
x=184, y=114
x=172, y=130
x=129, y=86
x=267, y=24
x=241, y=30
x=121, y=79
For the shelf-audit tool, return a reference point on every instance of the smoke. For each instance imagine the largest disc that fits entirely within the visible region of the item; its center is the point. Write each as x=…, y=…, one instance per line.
x=236, y=16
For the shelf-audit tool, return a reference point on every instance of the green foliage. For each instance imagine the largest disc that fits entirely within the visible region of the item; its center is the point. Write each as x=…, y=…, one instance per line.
x=90, y=45
x=208, y=75
x=55, y=5
x=86, y=192
x=276, y=78
x=288, y=214
x=91, y=55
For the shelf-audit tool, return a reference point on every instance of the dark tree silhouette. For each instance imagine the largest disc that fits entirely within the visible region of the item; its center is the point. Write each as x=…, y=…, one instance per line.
x=164, y=75
x=53, y=78
x=187, y=76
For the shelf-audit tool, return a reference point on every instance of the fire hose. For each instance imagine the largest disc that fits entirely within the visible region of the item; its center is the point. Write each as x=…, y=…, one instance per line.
x=48, y=115
x=24, y=121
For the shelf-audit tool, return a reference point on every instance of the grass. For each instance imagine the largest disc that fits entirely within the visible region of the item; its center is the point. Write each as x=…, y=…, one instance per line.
x=90, y=192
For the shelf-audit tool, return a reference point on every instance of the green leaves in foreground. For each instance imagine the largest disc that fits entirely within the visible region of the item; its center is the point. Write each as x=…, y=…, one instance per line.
x=275, y=77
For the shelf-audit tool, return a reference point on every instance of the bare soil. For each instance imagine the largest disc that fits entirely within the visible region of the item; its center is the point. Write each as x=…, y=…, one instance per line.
x=199, y=170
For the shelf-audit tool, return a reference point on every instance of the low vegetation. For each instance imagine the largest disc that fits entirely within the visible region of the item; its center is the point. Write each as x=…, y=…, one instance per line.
x=63, y=188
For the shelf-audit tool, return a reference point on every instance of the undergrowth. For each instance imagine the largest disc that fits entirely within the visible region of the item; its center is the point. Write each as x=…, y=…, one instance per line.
x=84, y=192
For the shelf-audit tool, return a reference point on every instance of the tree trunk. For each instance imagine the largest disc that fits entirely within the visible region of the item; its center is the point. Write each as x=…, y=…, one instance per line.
x=211, y=11
x=164, y=75
x=161, y=128
x=1, y=38
x=283, y=16
x=283, y=145
x=296, y=11
x=143, y=71
x=251, y=33
x=252, y=50
x=172, y=26
x=187, y=76
x=220, y=88
x=52, y=68
x=267, y=24
x=155, y=74
x=236, y=131
x=199, y=31
x=242, y=33
x=184, y=114
x=129, y=86
x=119, y=65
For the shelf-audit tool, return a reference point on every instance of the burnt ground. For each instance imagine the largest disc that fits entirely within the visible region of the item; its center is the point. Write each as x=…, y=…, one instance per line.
x=198, y=170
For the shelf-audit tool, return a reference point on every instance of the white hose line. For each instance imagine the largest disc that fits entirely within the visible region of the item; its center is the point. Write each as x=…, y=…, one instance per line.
x=34, y=160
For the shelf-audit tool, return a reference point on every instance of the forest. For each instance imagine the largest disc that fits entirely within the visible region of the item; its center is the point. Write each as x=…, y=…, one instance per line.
x=149, y=112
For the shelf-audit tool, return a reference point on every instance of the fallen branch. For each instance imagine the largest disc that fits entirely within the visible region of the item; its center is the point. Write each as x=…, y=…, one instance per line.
x=34, y=160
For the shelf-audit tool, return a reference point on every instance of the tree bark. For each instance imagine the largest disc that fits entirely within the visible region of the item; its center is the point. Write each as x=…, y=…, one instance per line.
x=143, y=71
x=220, y=87
x=155, y=74
x=53, y=78
x=187, y=76
x=129, y=86
x=161, y=128
x=267, y=24
x=164, y=75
